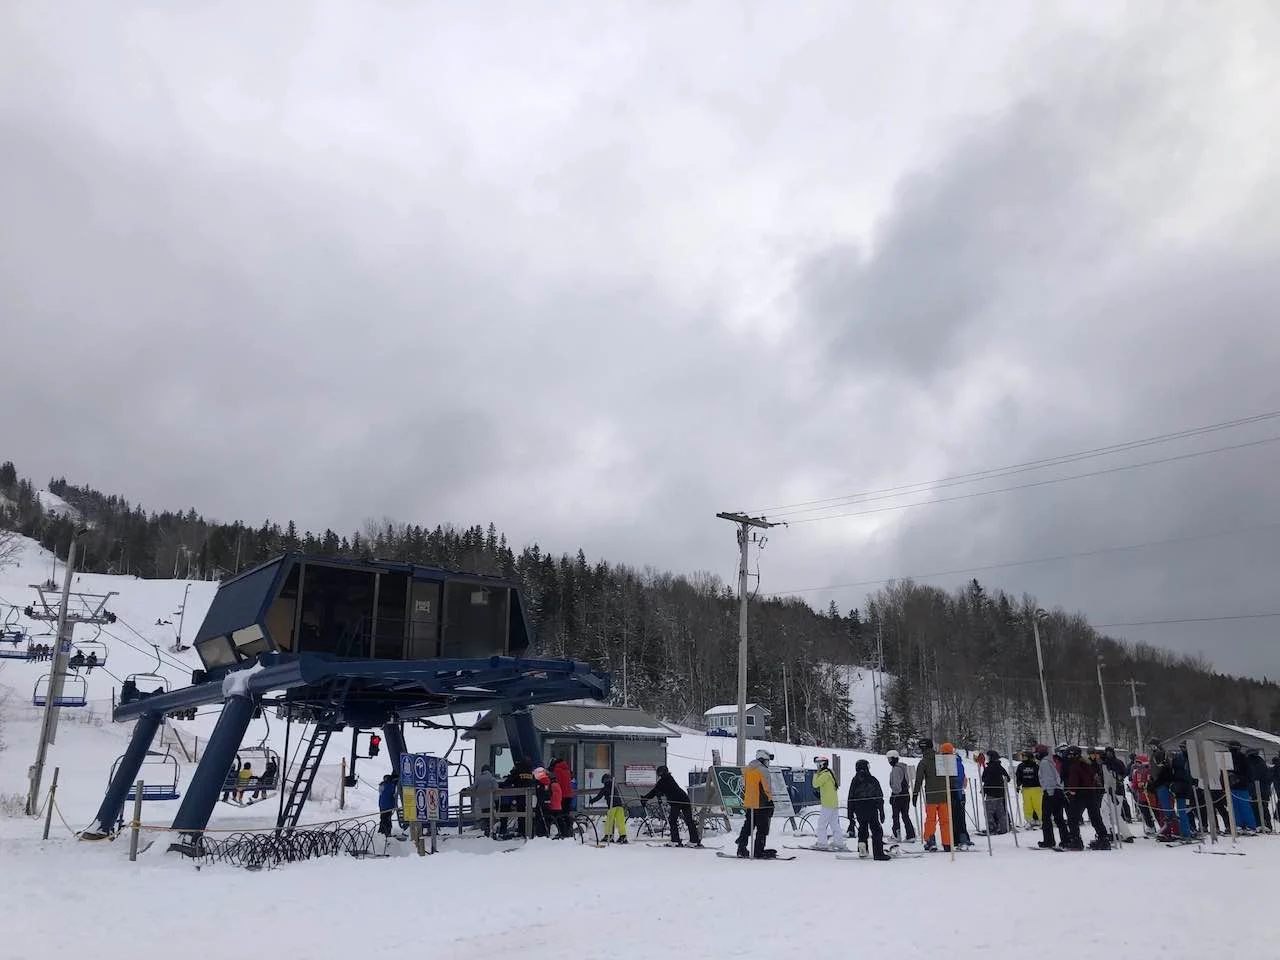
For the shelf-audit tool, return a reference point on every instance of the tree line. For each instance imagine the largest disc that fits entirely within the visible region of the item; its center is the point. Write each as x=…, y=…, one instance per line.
x=964, y=662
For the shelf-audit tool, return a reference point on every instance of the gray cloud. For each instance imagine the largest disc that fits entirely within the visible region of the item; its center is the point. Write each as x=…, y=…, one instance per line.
x=597, y=279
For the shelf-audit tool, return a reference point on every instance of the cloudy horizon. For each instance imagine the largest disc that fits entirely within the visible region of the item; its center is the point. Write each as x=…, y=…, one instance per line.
x=595, y=275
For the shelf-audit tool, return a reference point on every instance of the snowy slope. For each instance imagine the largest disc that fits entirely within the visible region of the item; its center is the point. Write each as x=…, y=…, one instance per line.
x=550, y=899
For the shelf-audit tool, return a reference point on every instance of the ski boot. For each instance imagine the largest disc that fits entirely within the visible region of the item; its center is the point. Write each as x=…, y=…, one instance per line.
x=862, y=850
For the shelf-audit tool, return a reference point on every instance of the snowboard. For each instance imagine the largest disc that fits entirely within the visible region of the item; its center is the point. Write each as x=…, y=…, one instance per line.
x=732, y=856
x=682, y=846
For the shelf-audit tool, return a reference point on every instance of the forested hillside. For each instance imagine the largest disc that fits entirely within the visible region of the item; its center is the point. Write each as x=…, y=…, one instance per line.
x=965, y=661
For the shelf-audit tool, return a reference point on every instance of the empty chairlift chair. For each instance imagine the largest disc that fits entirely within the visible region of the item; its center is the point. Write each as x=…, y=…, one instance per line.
x=159, y=775
x=13, y=639
x=75, y=692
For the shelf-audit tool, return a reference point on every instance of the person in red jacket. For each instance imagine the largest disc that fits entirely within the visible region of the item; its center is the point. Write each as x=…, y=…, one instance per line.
x=563, y=774
x=556, y=807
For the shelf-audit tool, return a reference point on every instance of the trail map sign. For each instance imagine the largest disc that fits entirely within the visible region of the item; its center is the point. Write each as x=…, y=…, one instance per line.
x=424, y=786
x=729, y=782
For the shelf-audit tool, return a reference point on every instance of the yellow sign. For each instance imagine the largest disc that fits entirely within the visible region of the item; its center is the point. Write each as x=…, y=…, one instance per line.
x=410, y=802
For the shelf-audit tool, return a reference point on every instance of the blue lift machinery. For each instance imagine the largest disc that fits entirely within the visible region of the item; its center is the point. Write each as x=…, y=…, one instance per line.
x=337, y=644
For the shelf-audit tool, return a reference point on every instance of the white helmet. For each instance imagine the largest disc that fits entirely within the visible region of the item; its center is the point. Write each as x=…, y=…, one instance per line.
x=822, y=761
x=763, y=754
x=892, y=754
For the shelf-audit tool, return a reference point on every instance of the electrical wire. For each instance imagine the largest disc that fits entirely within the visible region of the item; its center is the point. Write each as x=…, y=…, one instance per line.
x=1230, y=616
x=1055, y=558
x=1039, y=483
x=1024, y=466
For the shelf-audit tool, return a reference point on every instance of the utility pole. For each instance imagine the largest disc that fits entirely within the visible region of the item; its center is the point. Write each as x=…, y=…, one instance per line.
x=1106, y=717
x=786, y=702
x=745, y=537
x=1136, y=711
x=182, y=614
x=1044, y=689
x=66, y=620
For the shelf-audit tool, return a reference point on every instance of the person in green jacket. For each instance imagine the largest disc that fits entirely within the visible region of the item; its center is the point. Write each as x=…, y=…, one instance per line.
x=935, y=795
x=828, y=787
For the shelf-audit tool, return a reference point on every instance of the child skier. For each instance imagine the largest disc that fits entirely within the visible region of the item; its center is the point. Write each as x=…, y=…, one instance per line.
x=616, y=818
x=867, y=798
x=828, y=787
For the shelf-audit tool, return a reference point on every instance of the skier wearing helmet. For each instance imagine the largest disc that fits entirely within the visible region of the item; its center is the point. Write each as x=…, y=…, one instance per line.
x=757, y=805
x=900, y=796
x=828, y=787
x=679, y=807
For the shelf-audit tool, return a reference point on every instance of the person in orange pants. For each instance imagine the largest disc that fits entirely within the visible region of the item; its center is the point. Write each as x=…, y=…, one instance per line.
x=935, y=795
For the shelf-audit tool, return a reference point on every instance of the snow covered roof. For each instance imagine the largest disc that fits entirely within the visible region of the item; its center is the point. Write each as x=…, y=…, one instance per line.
x=1244, y=734
x=732, y=708
x=590, y=720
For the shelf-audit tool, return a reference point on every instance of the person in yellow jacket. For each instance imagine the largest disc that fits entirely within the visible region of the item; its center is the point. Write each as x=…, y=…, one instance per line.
x=828, y=787
x=757, y=805
x=242, y=781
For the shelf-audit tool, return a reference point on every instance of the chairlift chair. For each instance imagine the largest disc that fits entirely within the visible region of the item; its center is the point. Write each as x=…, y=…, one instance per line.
x=95, y=648
x=75, y=692
x=159, y=775
x=260, y=759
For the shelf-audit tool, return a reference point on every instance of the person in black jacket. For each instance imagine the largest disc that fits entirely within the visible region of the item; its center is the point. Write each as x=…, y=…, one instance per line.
x=1260, y=791
x=994, y=793
x=866, y=798
x=678, y=806
x=1027, y=779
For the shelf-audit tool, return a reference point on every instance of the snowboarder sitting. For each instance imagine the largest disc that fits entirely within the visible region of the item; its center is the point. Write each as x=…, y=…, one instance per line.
x=866, y=796
x=828, y=787
x=757, y=805
x=616, y=818
x=679, y=806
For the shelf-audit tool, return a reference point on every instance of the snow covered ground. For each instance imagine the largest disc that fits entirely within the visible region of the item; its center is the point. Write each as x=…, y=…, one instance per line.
x=63, y=898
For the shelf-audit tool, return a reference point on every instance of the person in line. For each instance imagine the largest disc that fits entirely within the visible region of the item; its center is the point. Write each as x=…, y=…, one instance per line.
x=679, y=807
x=386, y=804
x=757, y=804
x=1026, y=779
x=867, y=796
x=1053, y=798
x=543, y=820
x=828, y=787
x=1240, y=780
x=1260, y=792
x=558, y=805
x=615, y=819
x=1117, y=812
x=960, y=824
x=900, y=797
x=995, y=780
x=1183, y=788
x=482, y=796
x=1139, y=774
x=1083, y=781
x=519, y=777
x=935, y=795
x=564, y=776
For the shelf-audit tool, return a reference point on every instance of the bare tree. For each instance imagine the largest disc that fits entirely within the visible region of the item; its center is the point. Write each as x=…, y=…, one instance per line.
x=10, y=548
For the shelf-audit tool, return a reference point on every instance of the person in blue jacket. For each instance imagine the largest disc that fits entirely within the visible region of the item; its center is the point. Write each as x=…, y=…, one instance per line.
x=959, y=826
x=386, y=804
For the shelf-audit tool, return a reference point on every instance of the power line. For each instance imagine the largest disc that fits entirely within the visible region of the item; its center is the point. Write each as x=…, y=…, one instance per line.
x=1036, y=560
x=1147, y=623
x=1019, y=467
x=1041, y=483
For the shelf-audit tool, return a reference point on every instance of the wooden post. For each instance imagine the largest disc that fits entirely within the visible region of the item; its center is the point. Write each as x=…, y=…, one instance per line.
x=415, y=833
x=433, y=836
x=137, y=821
x=53, y=793
x=342, y=787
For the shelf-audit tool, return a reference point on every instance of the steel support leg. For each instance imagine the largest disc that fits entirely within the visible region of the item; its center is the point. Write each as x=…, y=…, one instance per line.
x=523, y=737
x=202, y=795
x=109, y=814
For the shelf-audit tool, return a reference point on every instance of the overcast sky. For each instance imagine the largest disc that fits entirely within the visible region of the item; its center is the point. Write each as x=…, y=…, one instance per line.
x=595, y=272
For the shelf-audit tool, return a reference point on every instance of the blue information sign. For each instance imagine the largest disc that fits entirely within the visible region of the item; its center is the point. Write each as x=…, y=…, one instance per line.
x=424, y=783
